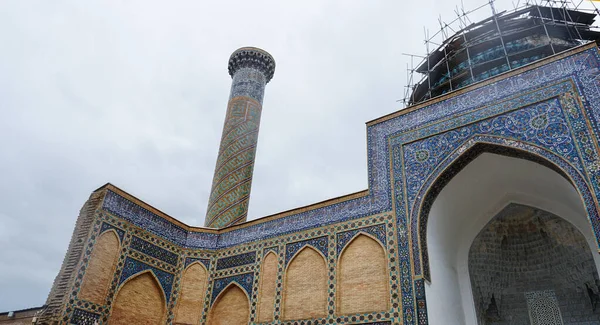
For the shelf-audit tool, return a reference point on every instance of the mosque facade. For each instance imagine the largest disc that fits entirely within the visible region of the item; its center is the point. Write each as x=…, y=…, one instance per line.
x=481, y=208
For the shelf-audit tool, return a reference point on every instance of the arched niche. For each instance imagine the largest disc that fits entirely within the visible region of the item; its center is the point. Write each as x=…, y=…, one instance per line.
x=305, y=289
x=484, y=183
x=193, y=292
x=267, y=289
x=101, y=268
x=362, y=277
x=139, y=300
x=530, y=266
x=231, y=307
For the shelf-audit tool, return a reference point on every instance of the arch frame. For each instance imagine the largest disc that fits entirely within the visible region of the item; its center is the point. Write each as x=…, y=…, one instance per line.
x=195, y=262
x=560, y=95
x=135, y=276
x=305, y=246
x=206, y=290
x=115, y=267
x=114, y=232
x=359, y=233
x=220, y=294
x=285, y=276
x=461, y=157
x=338, y=268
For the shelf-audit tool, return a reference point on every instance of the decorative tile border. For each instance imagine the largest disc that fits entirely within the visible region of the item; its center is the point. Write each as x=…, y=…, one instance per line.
x=343, y=238
x=319, y=243
x=236, y=260
x=190, y=260
x=107, y=226
x=82, y=317
x=244, y=280
x=149, y=249
x=133, y=267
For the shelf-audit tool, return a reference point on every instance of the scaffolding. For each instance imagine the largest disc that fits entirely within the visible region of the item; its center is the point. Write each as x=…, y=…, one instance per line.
x=462, y=52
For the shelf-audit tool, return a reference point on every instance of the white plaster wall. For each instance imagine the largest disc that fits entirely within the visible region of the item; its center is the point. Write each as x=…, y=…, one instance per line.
x=463, y=208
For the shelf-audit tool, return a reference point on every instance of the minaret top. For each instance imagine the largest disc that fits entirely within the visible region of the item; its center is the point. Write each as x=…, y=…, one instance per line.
x=252, y=57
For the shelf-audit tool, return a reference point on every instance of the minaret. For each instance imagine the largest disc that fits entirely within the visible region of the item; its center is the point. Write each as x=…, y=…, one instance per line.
x=251, y=69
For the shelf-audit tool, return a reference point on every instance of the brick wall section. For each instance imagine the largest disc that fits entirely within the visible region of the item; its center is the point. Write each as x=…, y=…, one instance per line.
x=524, y=249
x=193, y=291
x=305, y=290
x=21, y=317
x=64, y=280
x=363, y=278
x=100, y=269
x=139, y=301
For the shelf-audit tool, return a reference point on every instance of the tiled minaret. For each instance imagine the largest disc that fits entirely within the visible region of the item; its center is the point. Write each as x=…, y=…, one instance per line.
x=251, y=69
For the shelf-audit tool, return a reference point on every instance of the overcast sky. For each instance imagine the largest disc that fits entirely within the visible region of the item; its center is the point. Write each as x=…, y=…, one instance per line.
x=135, y=92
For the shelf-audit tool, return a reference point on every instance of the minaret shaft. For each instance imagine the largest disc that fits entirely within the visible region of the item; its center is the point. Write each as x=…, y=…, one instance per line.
x=250, y=69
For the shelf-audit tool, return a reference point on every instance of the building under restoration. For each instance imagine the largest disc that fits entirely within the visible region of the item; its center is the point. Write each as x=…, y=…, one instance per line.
x=503, y=41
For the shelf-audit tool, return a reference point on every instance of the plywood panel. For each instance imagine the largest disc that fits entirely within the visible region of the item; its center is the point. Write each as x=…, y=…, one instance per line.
x=139, y=301
x=305, y=292
x=363, y=278
x=268, y=282
x=193, y=291
x=231, y=308
x=100, y=269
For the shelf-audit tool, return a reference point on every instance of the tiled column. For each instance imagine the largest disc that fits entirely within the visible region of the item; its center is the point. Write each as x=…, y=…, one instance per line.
x=251, y=69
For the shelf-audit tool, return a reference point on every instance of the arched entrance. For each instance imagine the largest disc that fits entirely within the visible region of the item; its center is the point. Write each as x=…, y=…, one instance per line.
x=467, y=201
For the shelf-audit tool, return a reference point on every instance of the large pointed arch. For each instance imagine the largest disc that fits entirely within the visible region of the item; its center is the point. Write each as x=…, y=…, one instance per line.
x=305, y=289
x=139, y=300
x=193, y=292
x=466, y=153
x=101, y=268
x=231, y=307
x=363, y=276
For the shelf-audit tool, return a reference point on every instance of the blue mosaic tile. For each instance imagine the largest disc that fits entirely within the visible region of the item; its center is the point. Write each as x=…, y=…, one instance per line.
x=133, y=267
x=274, y=249
x=143, y=218
x=543, y=124
x=83, y=317
x=204, y=261
x=377, y=231
x=152, y=250
x=421, y=302
x=106, y=226
x=244, y=280
x=320, y=243
x=236, y=260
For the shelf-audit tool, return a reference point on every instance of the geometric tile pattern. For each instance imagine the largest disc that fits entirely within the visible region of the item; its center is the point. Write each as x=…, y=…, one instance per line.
x=106, y=226
x=378, y=231
x=133, y=267
x=319, y=243
x=236, y=260
x=274, y=249
x=244, y=280
x=82, y=317
x=149, y=249
x=204, y=261
x=543, y=308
